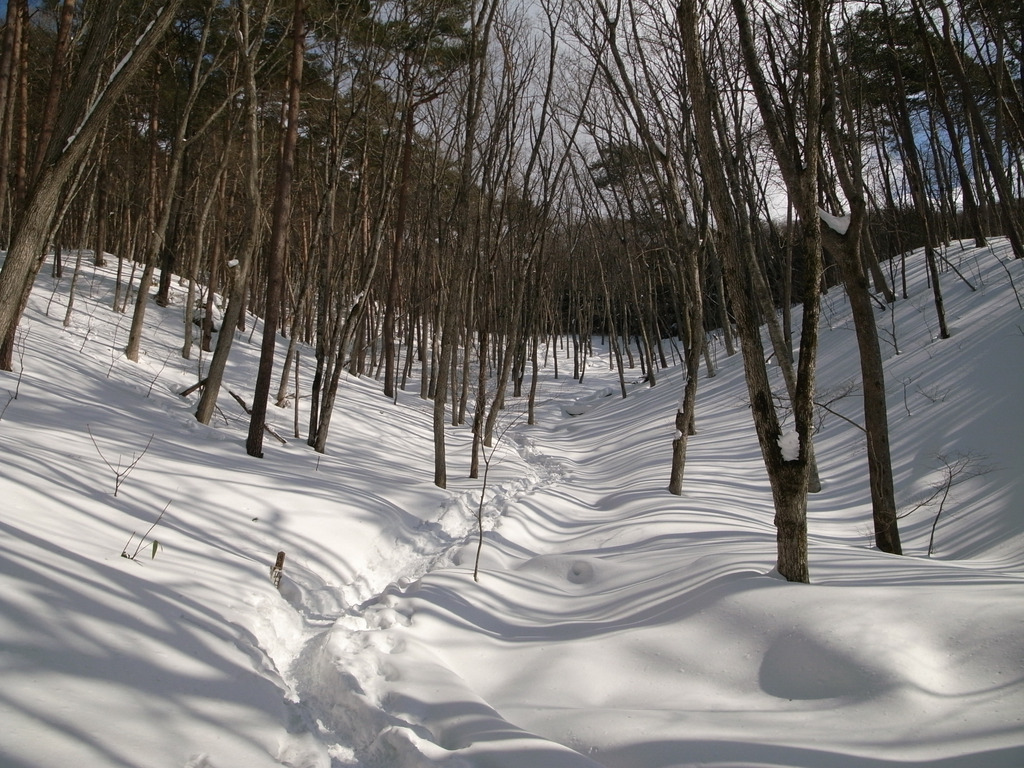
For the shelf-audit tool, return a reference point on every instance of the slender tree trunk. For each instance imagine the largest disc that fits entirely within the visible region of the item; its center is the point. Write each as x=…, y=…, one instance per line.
x=74, y=284
x=447, y=348
x=391, y=303
x=346, y=332
x=77, y=123
x=102, y=215
x=9, y=64
x=55, y=88
x=278, y=236
x=198, y=252
x=992, y=154
x=239, y=275
x=157, y=227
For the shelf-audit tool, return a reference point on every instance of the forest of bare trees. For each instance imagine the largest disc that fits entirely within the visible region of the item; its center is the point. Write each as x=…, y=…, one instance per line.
x=462, y=187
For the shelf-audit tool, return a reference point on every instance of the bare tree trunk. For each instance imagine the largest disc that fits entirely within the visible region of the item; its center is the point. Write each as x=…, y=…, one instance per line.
x=845, y=248
x=481, y=402
x=78, y=121
x=102, y=215
x=278, y=236
x=391, y=303
x=198, y=251
x=21, y=119
x=55, y=88
x=157, y=227
x=345, y=332
x=251, y=192
x=74, y=284
x=447, y=342
x=668, y=181
x=788, y=472
x=9, y=65
x=992, y=152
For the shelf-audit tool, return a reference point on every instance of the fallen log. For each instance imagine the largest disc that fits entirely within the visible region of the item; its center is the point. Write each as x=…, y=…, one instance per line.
x=198, y=385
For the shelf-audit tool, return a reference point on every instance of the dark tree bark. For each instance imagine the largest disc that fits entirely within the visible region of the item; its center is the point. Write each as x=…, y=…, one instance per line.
x=278, y=236
x=55, y=87
x=845, y=248
x=239, y=274
x=993, y=156
x=398, y=250
x=78, y=121
x=9, y=67
x=788, y=474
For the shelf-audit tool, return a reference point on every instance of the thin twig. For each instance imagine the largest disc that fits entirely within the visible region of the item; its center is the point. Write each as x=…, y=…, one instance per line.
x=119, y=475
x=488, y=455
x=142, y=540
x=844, y=418
x=10, y=399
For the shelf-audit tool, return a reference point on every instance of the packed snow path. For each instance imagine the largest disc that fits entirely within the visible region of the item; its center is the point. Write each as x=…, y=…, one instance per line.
x=332, y=649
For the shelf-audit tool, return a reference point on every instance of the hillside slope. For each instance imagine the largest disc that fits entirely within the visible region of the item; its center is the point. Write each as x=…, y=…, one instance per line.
x=613, y=624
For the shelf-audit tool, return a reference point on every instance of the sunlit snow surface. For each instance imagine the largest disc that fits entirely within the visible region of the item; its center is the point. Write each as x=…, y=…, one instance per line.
x=613, y=624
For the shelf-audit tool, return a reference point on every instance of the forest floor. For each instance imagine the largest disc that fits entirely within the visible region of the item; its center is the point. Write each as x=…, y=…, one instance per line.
x=613, y=624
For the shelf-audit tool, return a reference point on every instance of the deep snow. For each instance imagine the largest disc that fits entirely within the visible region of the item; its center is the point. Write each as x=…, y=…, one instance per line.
x=613, y=624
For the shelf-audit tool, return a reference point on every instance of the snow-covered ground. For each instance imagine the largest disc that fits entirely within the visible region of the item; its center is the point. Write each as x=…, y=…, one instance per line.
x=613, y=624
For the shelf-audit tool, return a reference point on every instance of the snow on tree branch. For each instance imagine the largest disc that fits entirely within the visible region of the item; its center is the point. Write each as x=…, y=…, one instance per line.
x=118, y=68
x=839, y=224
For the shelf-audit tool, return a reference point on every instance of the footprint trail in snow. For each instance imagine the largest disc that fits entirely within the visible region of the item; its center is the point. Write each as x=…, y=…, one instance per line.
x=331, y=645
